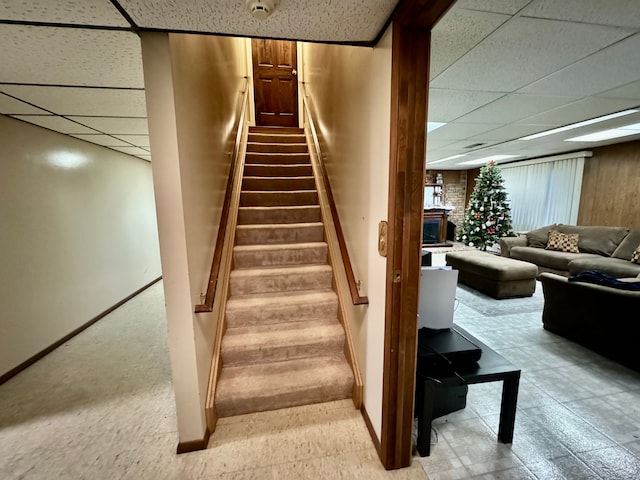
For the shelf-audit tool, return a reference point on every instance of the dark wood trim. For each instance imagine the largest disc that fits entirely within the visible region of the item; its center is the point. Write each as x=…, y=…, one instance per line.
x=41, y=354
x=194, y=445
x=356, y=298
x=372, y=432
x=207, y=305
x=409, y=96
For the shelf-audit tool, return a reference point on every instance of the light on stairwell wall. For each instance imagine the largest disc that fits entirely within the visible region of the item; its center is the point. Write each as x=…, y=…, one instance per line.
x=261, y=9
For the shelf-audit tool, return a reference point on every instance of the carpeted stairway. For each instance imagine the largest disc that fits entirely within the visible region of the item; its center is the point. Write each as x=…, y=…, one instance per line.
x=284, y=345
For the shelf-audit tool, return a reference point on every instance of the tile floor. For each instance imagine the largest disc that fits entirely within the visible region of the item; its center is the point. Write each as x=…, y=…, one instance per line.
x=578, y=413
x=101, y=407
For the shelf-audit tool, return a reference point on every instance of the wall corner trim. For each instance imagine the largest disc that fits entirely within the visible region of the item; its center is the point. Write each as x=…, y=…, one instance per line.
x=194, y=445
x=372, y=432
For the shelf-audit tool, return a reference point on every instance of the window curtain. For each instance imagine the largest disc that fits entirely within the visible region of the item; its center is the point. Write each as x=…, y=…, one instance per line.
x=544, y=191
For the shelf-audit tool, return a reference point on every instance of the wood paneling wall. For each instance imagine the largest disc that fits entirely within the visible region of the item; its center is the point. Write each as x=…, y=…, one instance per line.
x=610, y=186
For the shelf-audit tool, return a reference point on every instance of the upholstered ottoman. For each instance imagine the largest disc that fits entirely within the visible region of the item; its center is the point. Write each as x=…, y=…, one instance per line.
x=499, y=277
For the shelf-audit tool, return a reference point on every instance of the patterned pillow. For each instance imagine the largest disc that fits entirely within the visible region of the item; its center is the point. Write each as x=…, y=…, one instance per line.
x=635, y=256
x=563, y=242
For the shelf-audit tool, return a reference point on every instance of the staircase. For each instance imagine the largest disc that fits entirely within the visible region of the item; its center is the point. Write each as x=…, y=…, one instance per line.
x=284, y=345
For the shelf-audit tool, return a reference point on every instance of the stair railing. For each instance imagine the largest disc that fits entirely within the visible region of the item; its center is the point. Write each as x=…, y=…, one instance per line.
x=338, y=254
x=218, y=286
x=356, y=298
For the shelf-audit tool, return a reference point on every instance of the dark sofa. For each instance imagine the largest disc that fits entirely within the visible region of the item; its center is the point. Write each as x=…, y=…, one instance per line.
x=601, y=318
x=606, y=249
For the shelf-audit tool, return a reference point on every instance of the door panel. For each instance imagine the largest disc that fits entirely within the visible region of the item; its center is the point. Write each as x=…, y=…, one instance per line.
x=275, y=82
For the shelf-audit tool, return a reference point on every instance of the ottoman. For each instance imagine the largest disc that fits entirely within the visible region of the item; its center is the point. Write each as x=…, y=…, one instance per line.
x=498, y=277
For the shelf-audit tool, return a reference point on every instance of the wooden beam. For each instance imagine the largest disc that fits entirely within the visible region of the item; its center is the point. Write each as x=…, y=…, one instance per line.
x=411, y=26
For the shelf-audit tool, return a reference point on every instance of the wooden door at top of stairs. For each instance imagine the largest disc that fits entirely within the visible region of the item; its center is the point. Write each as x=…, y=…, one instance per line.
x=275, y=82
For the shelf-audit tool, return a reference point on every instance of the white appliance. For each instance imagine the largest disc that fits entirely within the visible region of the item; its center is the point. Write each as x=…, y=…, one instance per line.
x=437, y=297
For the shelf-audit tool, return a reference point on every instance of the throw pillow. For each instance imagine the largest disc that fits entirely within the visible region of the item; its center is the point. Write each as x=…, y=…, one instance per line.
x=635, y=256
x=563, y=242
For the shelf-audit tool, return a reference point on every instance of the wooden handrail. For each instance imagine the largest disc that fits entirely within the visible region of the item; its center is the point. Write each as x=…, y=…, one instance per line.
x=356, y=298
x=207, y=305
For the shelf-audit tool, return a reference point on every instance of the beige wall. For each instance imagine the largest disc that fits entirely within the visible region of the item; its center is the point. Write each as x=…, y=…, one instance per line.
x=78, y=235
x=193, y=86
x=350, y=90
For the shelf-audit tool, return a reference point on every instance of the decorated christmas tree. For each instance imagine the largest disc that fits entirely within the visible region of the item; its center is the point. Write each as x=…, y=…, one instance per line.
x=487, y=217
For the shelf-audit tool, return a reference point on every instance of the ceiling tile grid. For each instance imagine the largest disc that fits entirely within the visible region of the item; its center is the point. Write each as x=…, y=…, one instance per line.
x=592, y=75
x=82, y=101
x=70, y=56
x=114, y=125
x=12, y=106
x=620, y=13
x=509, y=7
x=76, y=12
x=511, y=57
x=53, y=122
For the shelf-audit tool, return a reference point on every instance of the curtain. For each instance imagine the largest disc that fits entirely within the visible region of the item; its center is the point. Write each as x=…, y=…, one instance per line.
x=544, y=191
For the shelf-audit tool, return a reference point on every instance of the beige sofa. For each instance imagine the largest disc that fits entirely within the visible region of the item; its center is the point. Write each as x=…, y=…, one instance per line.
x=606, y=249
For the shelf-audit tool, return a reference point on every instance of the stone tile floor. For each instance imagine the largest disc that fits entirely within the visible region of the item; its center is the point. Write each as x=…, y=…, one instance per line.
x=578, y=413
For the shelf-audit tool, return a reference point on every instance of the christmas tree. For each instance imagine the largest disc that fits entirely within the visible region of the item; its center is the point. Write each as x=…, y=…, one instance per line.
x=487, y=217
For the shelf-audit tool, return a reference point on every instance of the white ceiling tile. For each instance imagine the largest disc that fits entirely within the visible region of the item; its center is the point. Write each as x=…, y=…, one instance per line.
x=447, y=105
x=630, y=91
x=115, y=125
x=459, y=131
x=456, y=33
x=593, y=74
x=70, y=56
x=78, y=12
x=132, y=150
x=578, y=111
x=137, y=140
x=514, y=107
x=436, y=144
x=510, y=7
x=622, y=13
x=104, y=140
x=303, y=19
x=52, y=122
x=509, y=132
x=524, y=50
x=82, y=101
x=9, y=105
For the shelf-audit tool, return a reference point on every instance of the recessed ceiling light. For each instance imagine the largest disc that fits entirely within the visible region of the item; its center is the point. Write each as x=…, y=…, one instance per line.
x=495, y=158
x=448, y=158
x=431, y=126
x=579, y=124
x=608, y=134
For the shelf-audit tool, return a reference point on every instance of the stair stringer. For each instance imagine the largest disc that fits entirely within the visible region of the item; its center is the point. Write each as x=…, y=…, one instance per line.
x=346, y=310
x=223, y=290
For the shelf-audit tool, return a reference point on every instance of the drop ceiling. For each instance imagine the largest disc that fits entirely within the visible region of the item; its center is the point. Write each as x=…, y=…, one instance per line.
x=500, y=69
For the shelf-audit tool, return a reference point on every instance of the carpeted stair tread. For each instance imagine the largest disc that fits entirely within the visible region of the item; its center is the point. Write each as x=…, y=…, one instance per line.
x=277, y=130
x=274, y=215
x=281, y=341
x=276, y=138
x=259, y=234
x=278, y=183
x=278, y=279
x=278, y=198
x=250, y=256
x=276, y=158
x=277, y=147
x=278, y=170
x=269, y=308
x=271, y=386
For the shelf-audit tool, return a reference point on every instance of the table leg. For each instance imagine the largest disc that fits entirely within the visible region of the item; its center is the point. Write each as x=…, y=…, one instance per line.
x=425, y=417
x=508, y=407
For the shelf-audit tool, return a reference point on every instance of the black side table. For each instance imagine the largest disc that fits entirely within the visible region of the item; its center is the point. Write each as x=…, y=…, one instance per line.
x=491, y=367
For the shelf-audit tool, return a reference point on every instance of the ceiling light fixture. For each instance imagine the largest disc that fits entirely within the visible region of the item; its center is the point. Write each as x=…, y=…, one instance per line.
x=608, y=134
x=579, y=124
x=495, y=158
x=261, y=9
